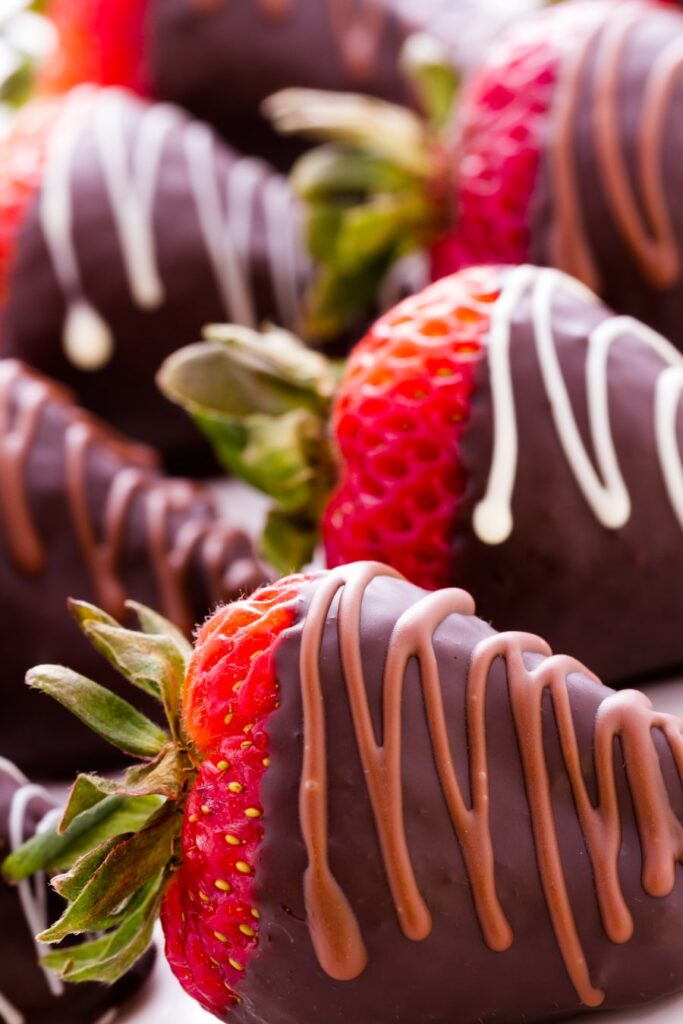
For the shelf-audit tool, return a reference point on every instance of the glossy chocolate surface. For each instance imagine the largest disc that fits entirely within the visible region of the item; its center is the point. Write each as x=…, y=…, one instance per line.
x=454, y=970
x=608, y=206
x=252, y=48
x=87, y=514
x=167, y=229
x=609, y=595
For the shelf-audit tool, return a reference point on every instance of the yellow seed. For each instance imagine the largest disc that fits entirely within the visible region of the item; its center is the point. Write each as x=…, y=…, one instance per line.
x=255, y=655
x=206, y=809
x=236, y=688
x=221, y=884
x=255, y=914
x=222, y=766
x=194, y=818
x=232, y=840
x=243, y=867
x=252, y=812
x=221, y=937
x=203, y=897
x=248, y=728
x=235, y=787
x=235, y=963
x=246, y=744
x=266, y=762
x=247, y=930
x=228, y=718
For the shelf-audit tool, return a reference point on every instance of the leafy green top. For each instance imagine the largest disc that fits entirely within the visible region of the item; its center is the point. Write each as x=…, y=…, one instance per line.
x=116, y=845
x=264, y=401
x=377, y=188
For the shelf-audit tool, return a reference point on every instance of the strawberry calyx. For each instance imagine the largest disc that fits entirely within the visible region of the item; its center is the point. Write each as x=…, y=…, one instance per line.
x=264, y=402
x=376, y=189
x=118, y=843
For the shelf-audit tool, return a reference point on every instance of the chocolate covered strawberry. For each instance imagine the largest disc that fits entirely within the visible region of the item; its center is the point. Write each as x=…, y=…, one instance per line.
x=220, y=60
x=125, y=226
x=361, y=786
x=84, y=510
x=501, y=430
x=563, y=151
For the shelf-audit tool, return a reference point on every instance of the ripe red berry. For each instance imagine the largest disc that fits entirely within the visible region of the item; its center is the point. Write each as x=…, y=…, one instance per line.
x=400, y=412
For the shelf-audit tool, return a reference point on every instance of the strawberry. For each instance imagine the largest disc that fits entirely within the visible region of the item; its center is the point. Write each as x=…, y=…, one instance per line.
x=97, y=42
x=458, y=445
x=307, y=829
x=22, y=161
x=119, y=240
x=561, y=151
x=398, y=421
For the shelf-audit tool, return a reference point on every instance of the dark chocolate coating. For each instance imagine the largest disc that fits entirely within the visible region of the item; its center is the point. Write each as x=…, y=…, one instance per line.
x=124, y=392
x=622, y=283
x=22, y=981
x=35, y=626
x=248, y=54
x=610, y=597
x=451, y=977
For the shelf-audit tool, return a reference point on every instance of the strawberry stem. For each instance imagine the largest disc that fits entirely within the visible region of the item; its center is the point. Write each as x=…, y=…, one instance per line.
x=377, y=188
x=117, y=843
x=264, y=401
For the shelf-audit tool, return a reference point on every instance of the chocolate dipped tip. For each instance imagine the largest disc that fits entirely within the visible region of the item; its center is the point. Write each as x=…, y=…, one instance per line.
x=427, y=788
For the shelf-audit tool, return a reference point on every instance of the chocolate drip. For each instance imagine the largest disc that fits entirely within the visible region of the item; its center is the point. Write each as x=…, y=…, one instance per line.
x=627, y=716
x=145, y=228
x=104, y=525
x=644, y=220
x=171, y=552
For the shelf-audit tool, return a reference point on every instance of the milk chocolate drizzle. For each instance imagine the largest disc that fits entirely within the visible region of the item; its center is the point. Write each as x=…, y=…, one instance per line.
x=628, y=716
x=650, y=235
x=24, y=397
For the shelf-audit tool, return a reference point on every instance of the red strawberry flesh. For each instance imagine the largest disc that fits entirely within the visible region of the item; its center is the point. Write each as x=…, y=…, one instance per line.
x=502, y=125
x=22, y=159
x=210, y=915
x=101, y=41
x=400, y=412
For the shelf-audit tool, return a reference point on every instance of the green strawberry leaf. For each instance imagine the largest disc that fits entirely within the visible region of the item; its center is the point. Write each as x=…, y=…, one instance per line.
x=153, y=662
x=86, y=792
x=424, y=61
x=111, y=717
x=54, y=851
x=289, y=541
x=379, y=187
x=334, y=171
x=152, y=622
x=108, y=957
x=71, y=884
x=133, y=861
x=369, y=125
x=263, y=401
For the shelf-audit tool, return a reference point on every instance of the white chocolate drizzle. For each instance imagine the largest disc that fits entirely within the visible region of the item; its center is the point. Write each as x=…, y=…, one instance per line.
x=224, y=201
x=602, y=484
x=32, y=892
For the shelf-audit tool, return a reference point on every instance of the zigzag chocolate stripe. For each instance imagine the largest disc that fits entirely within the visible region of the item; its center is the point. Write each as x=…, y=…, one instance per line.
x=627, y=716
